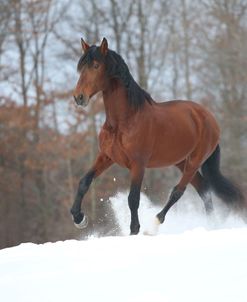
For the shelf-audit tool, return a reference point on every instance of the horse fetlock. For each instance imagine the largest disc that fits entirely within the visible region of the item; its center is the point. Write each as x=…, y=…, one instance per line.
x=134, y=229
x=161, y=217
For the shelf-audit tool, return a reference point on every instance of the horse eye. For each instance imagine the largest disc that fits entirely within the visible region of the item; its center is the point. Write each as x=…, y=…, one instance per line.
x=96, y=65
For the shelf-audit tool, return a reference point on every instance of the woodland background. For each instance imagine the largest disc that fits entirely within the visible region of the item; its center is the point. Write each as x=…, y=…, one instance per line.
x=176, y=49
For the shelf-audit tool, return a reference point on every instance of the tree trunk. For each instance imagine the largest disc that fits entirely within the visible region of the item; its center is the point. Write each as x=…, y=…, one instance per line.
x=186, y=49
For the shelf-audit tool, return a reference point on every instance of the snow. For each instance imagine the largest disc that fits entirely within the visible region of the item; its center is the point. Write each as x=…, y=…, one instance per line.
x=191, y=259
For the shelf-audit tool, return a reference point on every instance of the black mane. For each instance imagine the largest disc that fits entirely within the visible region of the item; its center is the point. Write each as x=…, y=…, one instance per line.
x=117, y=68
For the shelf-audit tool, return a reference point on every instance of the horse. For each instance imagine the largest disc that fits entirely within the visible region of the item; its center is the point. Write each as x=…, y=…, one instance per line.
x=140, y=133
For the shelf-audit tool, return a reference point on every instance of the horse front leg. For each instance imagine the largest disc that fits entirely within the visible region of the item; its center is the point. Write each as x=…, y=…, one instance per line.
x=137, y=173
x=102, y=162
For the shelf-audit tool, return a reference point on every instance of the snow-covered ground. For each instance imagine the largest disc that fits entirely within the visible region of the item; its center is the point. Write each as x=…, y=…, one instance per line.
x=191, y=259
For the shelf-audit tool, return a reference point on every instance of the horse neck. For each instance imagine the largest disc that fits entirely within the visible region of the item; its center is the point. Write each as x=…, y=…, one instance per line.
x=117, y=107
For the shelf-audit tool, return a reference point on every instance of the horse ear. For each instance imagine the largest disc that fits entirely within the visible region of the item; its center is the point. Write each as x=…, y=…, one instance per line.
x=104, y=46
x=84, y=46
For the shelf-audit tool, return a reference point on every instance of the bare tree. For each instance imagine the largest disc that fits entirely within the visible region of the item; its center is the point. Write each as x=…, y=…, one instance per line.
x=4, y=29
x=224, y=73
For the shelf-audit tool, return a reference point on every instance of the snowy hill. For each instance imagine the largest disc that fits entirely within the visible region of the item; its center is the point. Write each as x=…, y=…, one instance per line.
x=193, y=265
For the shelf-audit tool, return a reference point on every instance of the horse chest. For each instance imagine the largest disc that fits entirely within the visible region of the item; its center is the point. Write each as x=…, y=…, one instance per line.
x=110, y=143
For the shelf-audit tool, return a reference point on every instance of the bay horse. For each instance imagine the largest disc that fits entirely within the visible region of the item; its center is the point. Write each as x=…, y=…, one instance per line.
x=140, y=133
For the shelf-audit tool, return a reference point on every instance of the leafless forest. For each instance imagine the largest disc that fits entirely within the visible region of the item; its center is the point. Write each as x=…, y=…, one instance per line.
x=175, y=49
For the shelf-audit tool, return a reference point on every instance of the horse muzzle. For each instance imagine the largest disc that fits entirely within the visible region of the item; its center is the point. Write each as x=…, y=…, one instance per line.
x=81, y=100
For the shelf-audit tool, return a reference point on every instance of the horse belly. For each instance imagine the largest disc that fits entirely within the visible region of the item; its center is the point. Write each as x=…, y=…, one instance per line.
x=172, y=146
x=164, y=158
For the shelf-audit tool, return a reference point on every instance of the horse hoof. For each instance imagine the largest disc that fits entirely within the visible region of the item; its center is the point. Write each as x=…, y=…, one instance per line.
x=160, y=218
x=134, y=233
x=83, y=224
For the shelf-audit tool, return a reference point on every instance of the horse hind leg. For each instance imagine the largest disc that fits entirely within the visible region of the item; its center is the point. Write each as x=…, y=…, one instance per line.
x=203, y=189
x=173, y=198
x=189, y=168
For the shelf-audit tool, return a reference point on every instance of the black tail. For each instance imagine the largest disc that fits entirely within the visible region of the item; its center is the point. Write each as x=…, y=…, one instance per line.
x=222, y=187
